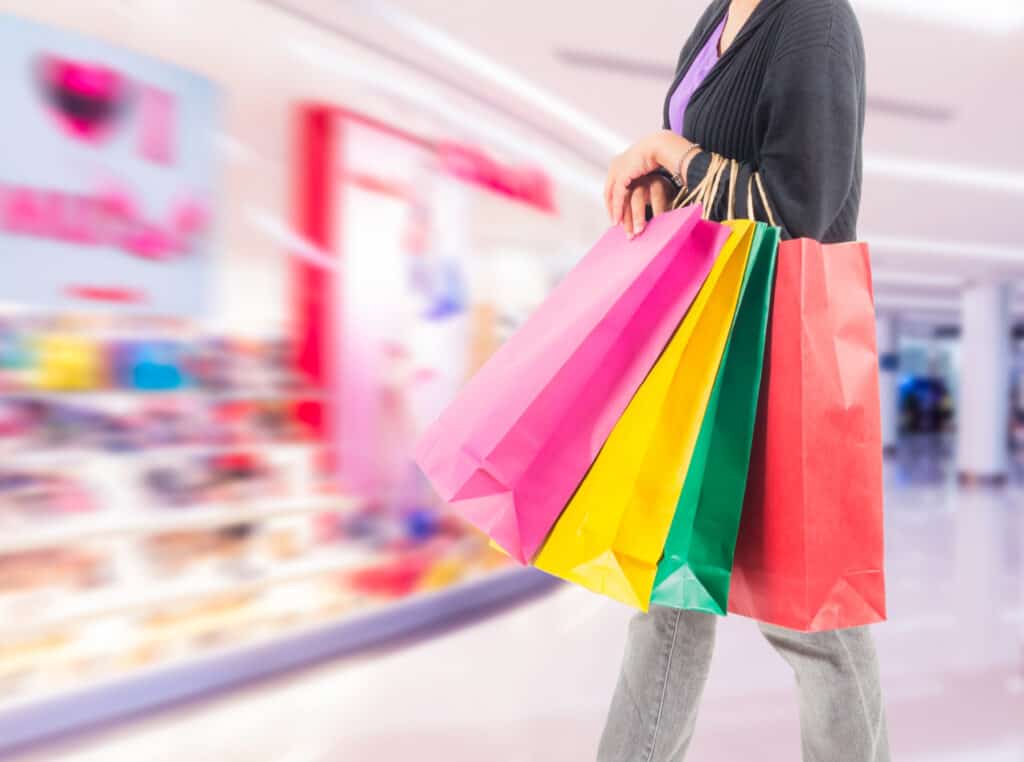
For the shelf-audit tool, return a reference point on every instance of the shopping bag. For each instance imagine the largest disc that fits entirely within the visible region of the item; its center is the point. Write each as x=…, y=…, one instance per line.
x=610, y=537
x=810, y=546
x=508, y=453
x=697, y=561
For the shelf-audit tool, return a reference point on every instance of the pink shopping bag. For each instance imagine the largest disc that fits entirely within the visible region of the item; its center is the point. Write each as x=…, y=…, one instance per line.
x=508, y=453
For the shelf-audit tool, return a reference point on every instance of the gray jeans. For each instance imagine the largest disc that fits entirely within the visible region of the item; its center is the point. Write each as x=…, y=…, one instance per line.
x=668, y=653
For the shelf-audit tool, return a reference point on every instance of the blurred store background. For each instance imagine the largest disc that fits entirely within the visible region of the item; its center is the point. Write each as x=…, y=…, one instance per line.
x=248, y=248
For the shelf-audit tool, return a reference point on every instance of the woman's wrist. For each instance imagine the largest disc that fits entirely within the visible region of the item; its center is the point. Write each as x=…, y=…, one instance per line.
x=672, y=152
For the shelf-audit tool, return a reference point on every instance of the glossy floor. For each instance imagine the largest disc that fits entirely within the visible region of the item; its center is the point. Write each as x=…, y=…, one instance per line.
x=531, y=684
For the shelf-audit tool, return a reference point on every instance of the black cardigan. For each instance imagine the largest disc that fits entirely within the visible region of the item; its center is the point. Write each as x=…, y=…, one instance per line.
x=786, y=100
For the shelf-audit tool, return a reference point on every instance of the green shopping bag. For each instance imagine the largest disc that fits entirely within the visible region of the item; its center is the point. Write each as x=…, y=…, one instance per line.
x=697, y=559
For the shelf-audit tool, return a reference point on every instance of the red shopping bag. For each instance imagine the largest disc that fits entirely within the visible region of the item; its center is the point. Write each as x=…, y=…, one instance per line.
x=809, y=555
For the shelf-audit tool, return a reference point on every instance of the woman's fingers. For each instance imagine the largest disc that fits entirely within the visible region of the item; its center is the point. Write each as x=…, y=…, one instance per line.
x=638, y=203
x=659, y=197
x=627, y=213
x=620, y=194
x=626, y=169
x=615, y=189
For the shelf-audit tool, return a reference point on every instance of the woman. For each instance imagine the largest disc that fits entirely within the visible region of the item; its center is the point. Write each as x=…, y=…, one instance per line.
x=777, y=86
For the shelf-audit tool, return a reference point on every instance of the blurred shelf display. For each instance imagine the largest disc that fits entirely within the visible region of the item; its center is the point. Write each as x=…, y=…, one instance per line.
x=150, y=533
x=205, y=588
x=101, y=397
x=281, y=644
x=205, y=471
x=153, y=522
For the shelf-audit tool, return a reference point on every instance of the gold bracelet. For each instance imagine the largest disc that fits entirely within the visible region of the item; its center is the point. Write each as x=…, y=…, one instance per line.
x=678, y=176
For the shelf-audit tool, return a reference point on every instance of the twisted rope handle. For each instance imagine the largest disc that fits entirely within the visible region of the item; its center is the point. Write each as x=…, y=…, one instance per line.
x=734, y=175
x=707, y=190
x=755, y=178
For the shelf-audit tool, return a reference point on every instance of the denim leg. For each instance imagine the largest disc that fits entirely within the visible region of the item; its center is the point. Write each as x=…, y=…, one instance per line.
x=842, y=713
x=654, y=709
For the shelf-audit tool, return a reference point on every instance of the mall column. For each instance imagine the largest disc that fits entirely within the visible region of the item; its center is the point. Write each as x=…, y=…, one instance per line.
x=983, y=410
x=889, y=360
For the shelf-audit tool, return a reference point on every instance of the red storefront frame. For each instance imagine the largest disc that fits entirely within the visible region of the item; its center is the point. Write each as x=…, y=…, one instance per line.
x=320, y=175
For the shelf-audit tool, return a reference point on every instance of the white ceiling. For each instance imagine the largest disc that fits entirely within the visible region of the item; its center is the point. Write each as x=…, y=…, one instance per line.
x=944, y=185
x=944, y=163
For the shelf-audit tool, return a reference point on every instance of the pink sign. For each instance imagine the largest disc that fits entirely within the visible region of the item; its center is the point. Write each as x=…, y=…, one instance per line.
x=106, y=176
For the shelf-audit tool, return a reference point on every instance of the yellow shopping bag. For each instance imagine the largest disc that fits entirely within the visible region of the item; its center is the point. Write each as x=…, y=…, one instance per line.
x=610, y=536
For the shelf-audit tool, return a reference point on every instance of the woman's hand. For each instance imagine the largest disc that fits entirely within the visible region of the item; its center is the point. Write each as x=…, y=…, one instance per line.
x=662, y=149
x=653, y=189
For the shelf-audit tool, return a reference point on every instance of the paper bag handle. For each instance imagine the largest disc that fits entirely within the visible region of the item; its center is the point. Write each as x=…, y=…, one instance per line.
x=707, y=190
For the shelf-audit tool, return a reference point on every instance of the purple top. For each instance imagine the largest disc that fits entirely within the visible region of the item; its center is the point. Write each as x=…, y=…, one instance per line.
x=688, y=85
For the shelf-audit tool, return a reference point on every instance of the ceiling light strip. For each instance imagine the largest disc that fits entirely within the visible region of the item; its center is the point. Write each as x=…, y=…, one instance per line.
x=472, y=60
x=991, y=16
x=991, y=253
x=944, y=173
x=469, y=59
x=882, y=276
x=435, y=101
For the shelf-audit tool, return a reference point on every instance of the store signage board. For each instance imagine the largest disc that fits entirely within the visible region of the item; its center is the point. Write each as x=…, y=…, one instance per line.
x=526, y=184
x=107, y=176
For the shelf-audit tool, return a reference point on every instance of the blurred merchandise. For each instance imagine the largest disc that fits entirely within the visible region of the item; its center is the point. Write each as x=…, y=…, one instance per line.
x=228, y=476
x=40, y=494
x=160, y=499
x=67, y=362
x=36, y=570
x=1017, y=403
x=926, y=405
